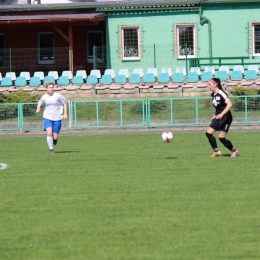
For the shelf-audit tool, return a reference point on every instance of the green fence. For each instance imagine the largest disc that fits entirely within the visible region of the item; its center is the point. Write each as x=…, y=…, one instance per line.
x=135, y=113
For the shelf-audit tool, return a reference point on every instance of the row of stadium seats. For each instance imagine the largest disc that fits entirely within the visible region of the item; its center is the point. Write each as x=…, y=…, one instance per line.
x=137, y=77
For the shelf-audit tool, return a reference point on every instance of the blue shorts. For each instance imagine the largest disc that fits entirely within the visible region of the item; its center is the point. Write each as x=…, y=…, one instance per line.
x=55, y=125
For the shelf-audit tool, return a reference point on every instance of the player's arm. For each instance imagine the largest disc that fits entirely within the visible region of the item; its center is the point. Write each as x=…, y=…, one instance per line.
x=65, y=108
x=38, y=109
x=227, y=108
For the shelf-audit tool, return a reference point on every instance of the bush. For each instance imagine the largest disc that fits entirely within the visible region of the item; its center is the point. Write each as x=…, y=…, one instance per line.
x=156, y=106
x=243, y=91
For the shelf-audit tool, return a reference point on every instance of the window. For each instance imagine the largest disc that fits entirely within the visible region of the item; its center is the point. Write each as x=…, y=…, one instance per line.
x=46, y=48
x=95, y=38
x=185, y=41
x=2, y=49
x=130, y=43
x=256, y=39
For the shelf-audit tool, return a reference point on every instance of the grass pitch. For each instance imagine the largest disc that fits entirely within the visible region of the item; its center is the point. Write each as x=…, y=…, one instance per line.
x=129, y=196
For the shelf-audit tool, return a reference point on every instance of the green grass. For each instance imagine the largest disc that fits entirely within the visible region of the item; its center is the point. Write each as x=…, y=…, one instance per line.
x=129, y=196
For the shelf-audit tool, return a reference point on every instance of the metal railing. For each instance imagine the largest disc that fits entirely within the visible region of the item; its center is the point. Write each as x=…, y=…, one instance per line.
x=132, y=113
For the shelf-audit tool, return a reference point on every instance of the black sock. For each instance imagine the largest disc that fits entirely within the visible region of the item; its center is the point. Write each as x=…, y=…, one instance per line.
x=212, y=141
x=227, y=144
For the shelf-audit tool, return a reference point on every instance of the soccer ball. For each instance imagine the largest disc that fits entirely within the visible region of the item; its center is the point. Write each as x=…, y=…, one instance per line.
x=167, y=136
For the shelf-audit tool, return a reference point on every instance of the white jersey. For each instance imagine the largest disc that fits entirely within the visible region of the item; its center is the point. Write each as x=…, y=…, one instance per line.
x=53, y=106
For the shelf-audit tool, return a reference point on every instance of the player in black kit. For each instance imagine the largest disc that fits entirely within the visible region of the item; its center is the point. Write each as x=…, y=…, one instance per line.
x=221, y=120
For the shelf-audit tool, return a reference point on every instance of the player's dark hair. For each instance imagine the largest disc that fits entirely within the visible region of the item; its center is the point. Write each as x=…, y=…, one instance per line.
x=217, y=80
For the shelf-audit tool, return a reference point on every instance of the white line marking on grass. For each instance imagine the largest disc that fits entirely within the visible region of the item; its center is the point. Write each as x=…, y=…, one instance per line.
x=3, y=166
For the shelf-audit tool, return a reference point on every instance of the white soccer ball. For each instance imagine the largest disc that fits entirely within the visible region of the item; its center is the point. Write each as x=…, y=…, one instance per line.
x=167, y=136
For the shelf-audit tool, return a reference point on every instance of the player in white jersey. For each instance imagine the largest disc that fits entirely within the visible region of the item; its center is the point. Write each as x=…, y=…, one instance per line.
x=221, y=120
x=55, y=103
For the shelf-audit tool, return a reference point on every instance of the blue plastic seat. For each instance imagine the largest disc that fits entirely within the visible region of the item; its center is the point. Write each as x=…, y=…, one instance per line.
x=49, y=78
x=135, y=78
x=178, y=77
x=251, y=74
x=77, y=80
x=6, y=82
x=35, y=81
x=236, y=75
x=20, y=82
x=149, y=78
x=63, y=80
x=106, y=79
x=163, y=78
x=222, y=75
x=92, y=80
x=193, y=77
x=120, y=79
x=206, y=75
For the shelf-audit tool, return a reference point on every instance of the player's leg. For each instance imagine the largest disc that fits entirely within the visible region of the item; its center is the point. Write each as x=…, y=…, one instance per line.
x=48, y=128
x=212, y=140
x=56, y=131
x=228, y=144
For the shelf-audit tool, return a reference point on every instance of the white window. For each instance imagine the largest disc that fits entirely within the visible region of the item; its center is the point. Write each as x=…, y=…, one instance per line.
x=95, y=38
x=256, y=39
x=46, y=48
x=2, y=49
x=185, y=41
x=130, y=43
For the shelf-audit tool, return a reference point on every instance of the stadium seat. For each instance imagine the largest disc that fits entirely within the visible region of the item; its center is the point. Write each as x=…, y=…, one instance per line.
x=6, y=82
x=222, y=75
x=152, y=70
x=120, y=79
x=35, y=81
x=236, y=75
x=110, y=72
x=67, y=73
x=20, y=82
x=77, y=80
x=11, y=75
x=210, y=69
x=167, y=70
x=149, y=78
x=239, y=67
x=39, y=74
x=0, y=77
x=96, y=73
x=253, y=67
x=163, y=78
x=181, y=70
x=106, y=79
x=139, y=71
x=54, y=74
x=196, y=69
x=49, y=78
x=206, y=76
x=251, y=74
x=92, y=80
x=63, y=81
x=193, y=77
x=82, y=73
x=178, y=77
x=124, y=72
x=224, y=68
x=135, y=78
x=25, y=74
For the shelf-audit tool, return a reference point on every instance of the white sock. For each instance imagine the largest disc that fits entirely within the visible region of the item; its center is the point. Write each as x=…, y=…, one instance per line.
x=50, y=142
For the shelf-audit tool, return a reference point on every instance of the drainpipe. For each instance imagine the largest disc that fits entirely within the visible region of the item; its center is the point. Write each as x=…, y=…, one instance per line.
x=204, y=20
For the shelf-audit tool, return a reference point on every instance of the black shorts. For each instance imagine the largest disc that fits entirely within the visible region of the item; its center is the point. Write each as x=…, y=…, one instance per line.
x=222, y=124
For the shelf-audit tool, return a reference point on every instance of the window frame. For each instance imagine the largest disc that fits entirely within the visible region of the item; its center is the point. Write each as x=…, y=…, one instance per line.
x=176, y=29
x=122, y=28
x=87, y=45
x=39, y=48
x=253, y=39
x=4, y=54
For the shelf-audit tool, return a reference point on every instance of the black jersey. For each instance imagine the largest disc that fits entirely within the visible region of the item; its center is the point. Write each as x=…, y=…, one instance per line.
x=219, y=102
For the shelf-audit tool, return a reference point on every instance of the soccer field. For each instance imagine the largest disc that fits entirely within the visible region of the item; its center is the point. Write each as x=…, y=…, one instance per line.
x=129, y=196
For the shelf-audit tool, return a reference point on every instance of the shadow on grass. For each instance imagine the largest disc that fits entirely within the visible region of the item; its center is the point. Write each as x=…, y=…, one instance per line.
x=171, y=157
x=67, y=152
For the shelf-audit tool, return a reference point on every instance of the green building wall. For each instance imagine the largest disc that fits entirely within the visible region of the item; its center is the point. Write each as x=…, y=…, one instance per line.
x=230, y=34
